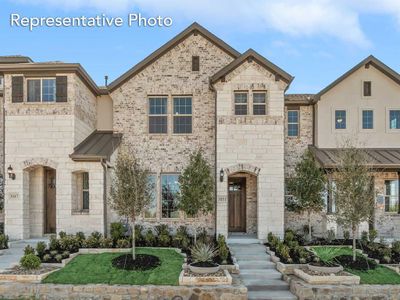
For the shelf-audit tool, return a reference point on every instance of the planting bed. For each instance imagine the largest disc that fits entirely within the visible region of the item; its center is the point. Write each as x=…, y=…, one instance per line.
x=142, y=262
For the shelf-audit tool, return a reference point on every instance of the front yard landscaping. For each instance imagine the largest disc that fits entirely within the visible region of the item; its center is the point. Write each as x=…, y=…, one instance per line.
x=98, y=268
x=377, y=274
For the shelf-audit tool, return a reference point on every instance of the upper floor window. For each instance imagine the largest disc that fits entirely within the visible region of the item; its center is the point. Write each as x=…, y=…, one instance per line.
x=241, y=103
x=158, y=115
x=340, y=119
x=41, y=90
x=1, y=82
x=392, y=196
x=259, y=103
x=367, y=88
x=195, y=63
x=293, y=123
x=182, y=115
x=367, y=119
x=169, y=196
x=394, y=119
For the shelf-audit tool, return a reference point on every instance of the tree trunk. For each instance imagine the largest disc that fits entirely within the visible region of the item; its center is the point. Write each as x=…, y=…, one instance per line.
x=354, y=229
x=309, y=226
x=133, y=239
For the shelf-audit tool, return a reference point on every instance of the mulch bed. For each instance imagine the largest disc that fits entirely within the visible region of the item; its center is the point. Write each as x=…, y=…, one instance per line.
x=142, y=262
x=18, y=270
x=323, y=264
x=204, y=264
x=189, y=273
x=361, y=263
x=314, y=273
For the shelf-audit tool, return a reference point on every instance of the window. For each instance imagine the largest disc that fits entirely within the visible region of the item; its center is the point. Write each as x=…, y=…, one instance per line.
x=392, y=196
x=151, y=210
x=330, y=197
x=195, y=63
x=41, y=90
x=340, y=119
x=293, y=123
x=158, y=115
x=367, y=119
x=259, y=103
x=367, y=92
x=394, y=119
x=85, y=191
x=169, y=193
x=240, y=103
x=182, y=115
x=1, y=82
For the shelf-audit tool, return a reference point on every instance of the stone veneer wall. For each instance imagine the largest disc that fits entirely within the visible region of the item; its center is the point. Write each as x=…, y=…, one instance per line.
x=44, y=134
x=256, y=141
x=171, y=75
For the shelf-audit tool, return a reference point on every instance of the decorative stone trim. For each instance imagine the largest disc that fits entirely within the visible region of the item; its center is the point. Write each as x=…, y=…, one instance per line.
x=206, y=280
x=25, y=278
x=348, y=279
x=288, y=269
x=247, y=168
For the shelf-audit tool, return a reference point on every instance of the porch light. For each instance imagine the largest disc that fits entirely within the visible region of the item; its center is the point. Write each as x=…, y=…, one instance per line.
x=10, y=172
x=221, y=175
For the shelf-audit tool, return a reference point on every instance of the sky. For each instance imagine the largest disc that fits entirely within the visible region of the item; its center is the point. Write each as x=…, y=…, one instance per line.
x=316, y=40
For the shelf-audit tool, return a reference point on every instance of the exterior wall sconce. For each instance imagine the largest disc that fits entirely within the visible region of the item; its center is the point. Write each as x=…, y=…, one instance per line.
x=221, y=175
x=10, y=172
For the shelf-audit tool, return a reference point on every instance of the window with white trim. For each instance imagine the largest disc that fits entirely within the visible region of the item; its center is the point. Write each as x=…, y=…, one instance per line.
x=392, y=196
x=293, y=122
x=394, y=119
x=368, y=119
x=41, y=90
x=241, y=103
x=340, y=119
x=158, y=119
x=182, y=115
x=259, y=103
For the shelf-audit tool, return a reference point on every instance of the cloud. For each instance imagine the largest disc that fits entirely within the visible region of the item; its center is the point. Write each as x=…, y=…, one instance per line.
x=338, y=19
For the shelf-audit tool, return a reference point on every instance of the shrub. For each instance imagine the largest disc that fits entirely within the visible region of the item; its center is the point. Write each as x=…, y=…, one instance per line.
x=123, y=243
x=364, y=237
x=53, y=253
x=93, y=241
x=283, y=252
x=289, y=236
x=106, y=243
x=346, y=235
x=222, y=249
x=203, y=252
x=202, y=237
x=396, y=246
x=3, y=241
x=30, y=262
x=330, y=235
x=182, y=239
x=54, y=244
x=29, y=250
x=41, y=248
x=270, y=237
x=65, y=254
x=62, y=234
x=373, y=234
x=163, y=235
x=117, y=231
x=46, y=257
x=69, y=243
x=58, y=258
x=80, y=237
x=138, y=234
x=149, y=238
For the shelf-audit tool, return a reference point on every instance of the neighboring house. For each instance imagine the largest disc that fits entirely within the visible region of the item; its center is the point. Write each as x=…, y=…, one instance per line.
x=61, y=133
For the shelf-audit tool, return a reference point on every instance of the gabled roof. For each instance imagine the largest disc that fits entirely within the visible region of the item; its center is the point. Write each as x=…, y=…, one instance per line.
x=369, y=61
x=194, y=28
x=299, y=99
x=252, y=55
x=97, y=146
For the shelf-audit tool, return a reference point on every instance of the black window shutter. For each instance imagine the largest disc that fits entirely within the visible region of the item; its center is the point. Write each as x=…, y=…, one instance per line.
x=61, y=89
x=17, y=89
x=195, y=63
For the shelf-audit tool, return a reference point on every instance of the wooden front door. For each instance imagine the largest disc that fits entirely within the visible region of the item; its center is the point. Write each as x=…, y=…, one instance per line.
x=237, y=204
x=50, y=201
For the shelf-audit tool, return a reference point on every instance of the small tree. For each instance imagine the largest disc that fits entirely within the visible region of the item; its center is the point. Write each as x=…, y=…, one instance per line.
x=131, y=189
x=197, y=187
x=354, y=190
x=307, y=187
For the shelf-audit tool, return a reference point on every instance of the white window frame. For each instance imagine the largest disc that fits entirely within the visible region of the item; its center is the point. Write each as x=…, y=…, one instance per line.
x=298, y=123
x=41, y=90
x=360, y=113
x=388, y=129
x=174, y=115
x=241, y=104
x=259, y=104
x=333, y=114
x=362, y=89
x=1, y=82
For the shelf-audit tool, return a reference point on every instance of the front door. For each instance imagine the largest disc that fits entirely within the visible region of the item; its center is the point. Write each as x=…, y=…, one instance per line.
x=237, y=204
x=50, y=201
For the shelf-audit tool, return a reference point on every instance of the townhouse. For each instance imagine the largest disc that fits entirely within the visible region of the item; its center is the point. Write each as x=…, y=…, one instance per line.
x=61, y=133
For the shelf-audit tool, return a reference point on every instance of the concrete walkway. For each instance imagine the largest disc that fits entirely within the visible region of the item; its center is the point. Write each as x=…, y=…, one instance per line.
x=11, y=256
x=257, y=271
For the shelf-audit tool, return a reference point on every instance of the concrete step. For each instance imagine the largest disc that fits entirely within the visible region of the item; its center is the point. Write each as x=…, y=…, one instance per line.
x=271, y=295
x=248, y=250
x=263, y=274
x=243, y=241
x=265, y=285
x=256, y=256
x=256, y=264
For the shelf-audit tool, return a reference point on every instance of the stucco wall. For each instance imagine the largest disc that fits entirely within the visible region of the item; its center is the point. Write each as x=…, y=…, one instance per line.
x=257, y=141
x=171, y=75
x=348, y=95
x=104, y=113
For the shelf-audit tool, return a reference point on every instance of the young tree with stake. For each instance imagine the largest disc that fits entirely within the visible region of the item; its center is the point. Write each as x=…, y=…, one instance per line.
x=307, y=187
x=131, y=189
x=196, y=187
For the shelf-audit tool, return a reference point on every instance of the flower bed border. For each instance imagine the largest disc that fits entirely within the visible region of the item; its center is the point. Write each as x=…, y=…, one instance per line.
x=26, y=277
x=349, y=279
x=209, y=280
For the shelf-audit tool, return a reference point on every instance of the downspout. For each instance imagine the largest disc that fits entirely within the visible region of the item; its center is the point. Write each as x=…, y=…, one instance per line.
x=104, y=165
x=215, y=155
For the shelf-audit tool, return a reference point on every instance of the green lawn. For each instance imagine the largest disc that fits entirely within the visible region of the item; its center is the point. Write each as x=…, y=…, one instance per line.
x=380, y=275
x=97, y=268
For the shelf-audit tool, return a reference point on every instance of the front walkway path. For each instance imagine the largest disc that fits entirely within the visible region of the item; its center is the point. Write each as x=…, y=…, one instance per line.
x=11, y=256
x=257, y=271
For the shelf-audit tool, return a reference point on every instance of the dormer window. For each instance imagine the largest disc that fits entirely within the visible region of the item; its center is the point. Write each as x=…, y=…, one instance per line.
x=41, y=90
x=367, y=89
